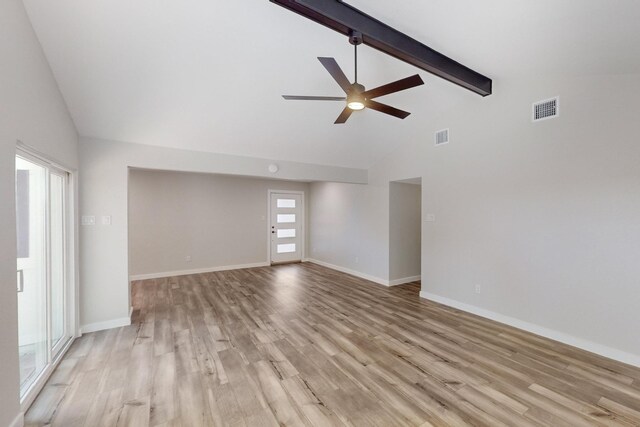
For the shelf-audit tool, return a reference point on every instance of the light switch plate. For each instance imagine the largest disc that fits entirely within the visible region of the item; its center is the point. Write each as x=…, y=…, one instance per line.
x=430, y=218
x=88, y=220
x=106, y=220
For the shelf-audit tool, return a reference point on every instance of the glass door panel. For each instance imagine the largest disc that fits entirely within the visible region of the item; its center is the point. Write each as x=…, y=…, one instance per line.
x=31, y=214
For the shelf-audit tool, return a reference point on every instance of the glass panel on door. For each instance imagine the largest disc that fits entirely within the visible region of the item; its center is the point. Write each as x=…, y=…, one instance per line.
x=286, y=248
x=286, y=218
x=284, y=233
x=31, y=213
x=286, y=203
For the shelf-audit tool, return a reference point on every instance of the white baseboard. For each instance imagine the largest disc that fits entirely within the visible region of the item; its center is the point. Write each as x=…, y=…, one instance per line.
x=602, y=350
x=196, y=271
x=18, y=421
x=107, y=324
x=349, y=271
x=404, y=280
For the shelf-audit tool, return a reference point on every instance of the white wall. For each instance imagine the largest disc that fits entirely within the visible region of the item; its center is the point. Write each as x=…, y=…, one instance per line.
x=345, y=231
x=405, y=231
x=218, y=220
x=104, y=249
x=31, y=110
x=544, y=216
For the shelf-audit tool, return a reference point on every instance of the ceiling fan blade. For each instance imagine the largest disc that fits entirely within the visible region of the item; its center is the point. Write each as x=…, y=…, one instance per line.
x=314, y=98
x=346, y=113
x=396, y=86
x=383, y=108
x=336, y=72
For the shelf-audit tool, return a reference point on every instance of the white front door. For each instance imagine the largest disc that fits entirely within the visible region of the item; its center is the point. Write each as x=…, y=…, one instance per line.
x=286, y=227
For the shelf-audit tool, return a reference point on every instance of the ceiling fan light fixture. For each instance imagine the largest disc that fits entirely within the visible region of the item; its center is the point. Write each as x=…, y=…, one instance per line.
x=355, y=100
x=356, y=105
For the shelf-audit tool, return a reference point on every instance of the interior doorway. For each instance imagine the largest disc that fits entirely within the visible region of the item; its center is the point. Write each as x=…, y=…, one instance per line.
x=405, y=231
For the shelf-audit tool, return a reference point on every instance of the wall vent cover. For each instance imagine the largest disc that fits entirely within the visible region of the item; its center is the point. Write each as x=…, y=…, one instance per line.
x=442, y=137
x=547, y=109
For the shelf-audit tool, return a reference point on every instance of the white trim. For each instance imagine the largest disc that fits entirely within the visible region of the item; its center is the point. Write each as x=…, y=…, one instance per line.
x=365, y=276
x=107, y=324
x=404, y=280
x=42, y=157
x=196, y=271
x=303, y=224
x=18, y=421
x=590, y=346
x=73, y=255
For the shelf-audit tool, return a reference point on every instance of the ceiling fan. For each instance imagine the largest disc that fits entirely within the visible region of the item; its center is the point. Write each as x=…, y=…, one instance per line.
x=357, y=97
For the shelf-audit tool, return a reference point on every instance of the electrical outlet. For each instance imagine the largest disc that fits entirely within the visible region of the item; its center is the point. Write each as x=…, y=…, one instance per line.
x=478, y=288
x=187, y=258
x=357, y=260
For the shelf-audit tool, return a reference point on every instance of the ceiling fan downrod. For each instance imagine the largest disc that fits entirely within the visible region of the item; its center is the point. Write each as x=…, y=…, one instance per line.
x=355, y=38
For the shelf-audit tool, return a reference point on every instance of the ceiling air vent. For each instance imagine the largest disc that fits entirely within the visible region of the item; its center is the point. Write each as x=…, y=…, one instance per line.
x=547, y=109
x=442, y=137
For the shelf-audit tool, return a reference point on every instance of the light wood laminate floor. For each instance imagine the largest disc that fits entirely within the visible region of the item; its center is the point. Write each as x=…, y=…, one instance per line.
x=305, y=345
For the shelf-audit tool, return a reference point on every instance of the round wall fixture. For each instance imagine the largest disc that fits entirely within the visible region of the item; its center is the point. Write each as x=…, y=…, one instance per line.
x=273, y=168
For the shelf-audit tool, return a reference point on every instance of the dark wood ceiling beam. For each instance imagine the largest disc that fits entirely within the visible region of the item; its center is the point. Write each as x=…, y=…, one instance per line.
x=345, y=19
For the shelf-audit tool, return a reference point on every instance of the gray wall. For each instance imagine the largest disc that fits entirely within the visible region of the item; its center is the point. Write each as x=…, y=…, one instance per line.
x=405, y=230
x=31, y=110
x=218, y=220
x=544, y=216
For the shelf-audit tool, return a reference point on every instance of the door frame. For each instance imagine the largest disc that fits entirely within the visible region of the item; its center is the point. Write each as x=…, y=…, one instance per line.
x=71, y=268
x=303, y=225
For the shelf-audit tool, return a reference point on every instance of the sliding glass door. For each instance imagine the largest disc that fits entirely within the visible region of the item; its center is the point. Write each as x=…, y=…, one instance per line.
x=42, y=284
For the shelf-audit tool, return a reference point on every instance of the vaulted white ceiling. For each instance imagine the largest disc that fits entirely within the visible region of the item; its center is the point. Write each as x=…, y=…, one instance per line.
x=208, y=74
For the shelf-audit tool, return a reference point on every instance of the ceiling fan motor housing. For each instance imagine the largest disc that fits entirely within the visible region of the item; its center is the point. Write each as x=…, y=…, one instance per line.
x=357, y=88
x=355, y=100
